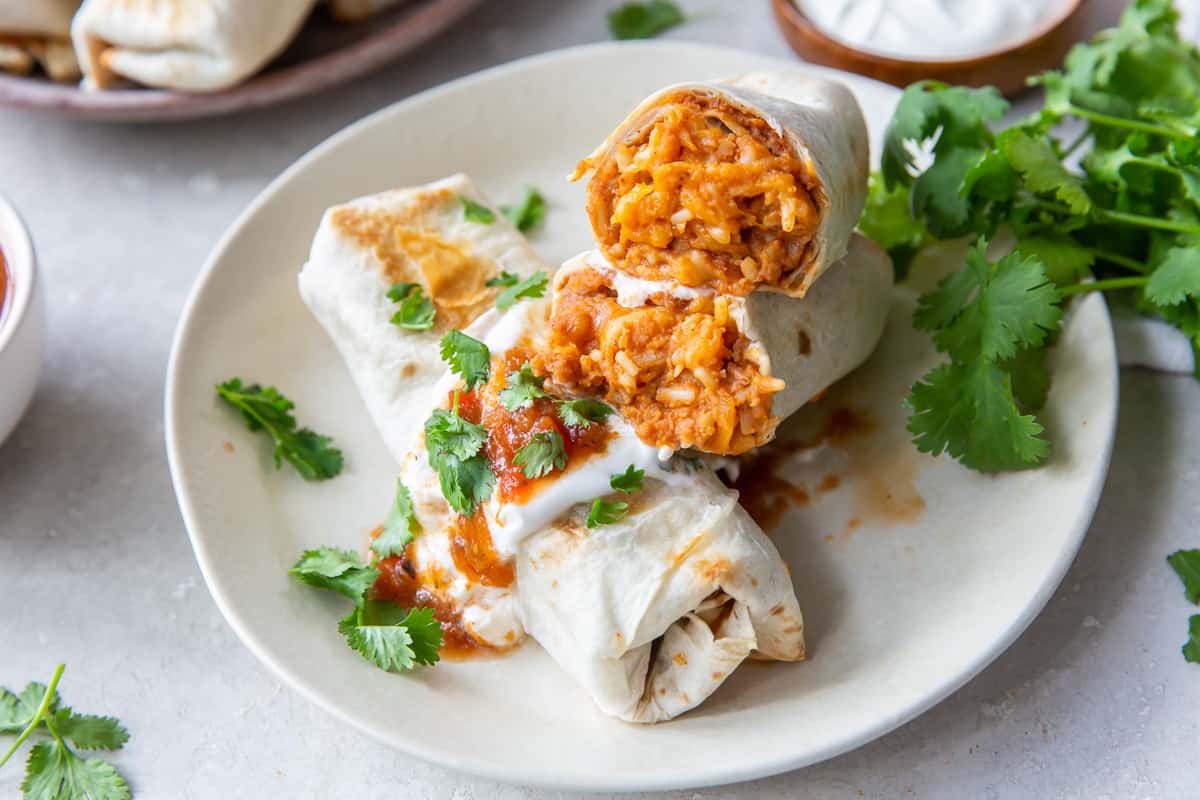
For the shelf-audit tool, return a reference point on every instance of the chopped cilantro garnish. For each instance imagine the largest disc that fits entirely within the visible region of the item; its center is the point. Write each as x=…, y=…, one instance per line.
x=476, y=212
x=606, y=512
x=582, y=413
x=310, y=453
x=468, y=358
x=503, y=279
x=416, y=312
x=400, y=526
x=643, y=20
x=523, y=388
x=532, y=287
x=629, y=481
x=529, y=213
x=542, y=454
x=455, y=452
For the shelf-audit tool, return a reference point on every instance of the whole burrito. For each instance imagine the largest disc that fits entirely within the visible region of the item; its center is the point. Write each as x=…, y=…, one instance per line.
x=38, y=32
x=753, y=182
x=692, y=368
x=190, y=45
x=421, y=236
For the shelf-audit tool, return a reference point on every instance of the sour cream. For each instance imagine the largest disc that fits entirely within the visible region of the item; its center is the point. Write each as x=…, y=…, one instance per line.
x=931, y=30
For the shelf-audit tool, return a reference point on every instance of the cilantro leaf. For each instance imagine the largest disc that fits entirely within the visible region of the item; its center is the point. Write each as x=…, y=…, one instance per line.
x=989, y=310
x=90, y=732
x=1066, y=261
x=310, y=453
x=395, y=641
x=53, y=772
x=1176, y=278
x=643, y=20
x=529, y=213
x=887, y=219
x=400, y=527
x=503, y=279
x=969, y=412
x=338, y=570
x=1191, y=648
x=582, y=413
x=937, y=197
x=468, y=358
x=1038, y=164
x=1030, y=378
x=629, y=481
x=542, y=454
x=454, y=447
x=416, y=312
x=532, y=287
x=476, y=212
x=18, y=710
x=606, y=512
x=1186, y=564
x=523, y=388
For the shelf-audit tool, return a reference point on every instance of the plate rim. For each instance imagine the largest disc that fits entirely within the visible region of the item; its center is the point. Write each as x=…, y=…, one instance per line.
x=465, y=763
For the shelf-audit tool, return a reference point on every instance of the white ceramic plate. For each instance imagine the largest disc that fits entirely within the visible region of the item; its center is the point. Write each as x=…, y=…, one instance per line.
x=899, y=614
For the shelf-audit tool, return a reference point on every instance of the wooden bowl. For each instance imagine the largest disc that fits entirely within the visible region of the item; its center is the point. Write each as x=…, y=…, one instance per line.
x=1005, y=68
x=325, y=53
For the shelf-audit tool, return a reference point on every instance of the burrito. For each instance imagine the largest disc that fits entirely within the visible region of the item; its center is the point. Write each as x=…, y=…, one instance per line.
x=198, y=46
x=649, y=609
x=755, y=182
x=38, y=33
x=652, y=613
x=420, y=237
x=692, y=368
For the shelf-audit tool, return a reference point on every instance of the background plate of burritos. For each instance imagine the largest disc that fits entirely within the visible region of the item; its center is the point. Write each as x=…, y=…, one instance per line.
x=323, y=53
x=913, y=573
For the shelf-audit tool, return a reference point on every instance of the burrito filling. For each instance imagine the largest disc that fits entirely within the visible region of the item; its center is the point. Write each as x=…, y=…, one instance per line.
x=678, y=368
x=708, y=195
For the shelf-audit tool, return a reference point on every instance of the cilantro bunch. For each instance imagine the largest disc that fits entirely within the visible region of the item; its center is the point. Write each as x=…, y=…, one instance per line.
x=1114, y=206
x=54, y=771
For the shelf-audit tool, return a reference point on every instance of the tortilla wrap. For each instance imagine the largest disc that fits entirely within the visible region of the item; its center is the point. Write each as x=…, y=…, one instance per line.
x=691, y=368
x=752, y=182
x=652, y=613
x=189, y=45
x=416, y=235
x=38, y=32
x=355, y=10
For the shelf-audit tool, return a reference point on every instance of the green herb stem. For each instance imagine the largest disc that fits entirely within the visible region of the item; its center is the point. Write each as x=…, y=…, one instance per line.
x=1105, y=285
x=1146, y=222
x=1120, y=260
x=41, y=712
x=1124, y=122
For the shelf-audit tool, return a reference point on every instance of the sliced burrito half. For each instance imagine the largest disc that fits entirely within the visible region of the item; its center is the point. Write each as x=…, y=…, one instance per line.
x=753, y=182
x=190, y=45
x=691, y=368
x=420, y=239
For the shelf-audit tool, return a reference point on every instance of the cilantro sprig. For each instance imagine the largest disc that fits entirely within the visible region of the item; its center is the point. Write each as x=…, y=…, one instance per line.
x=529, y=213
x=629, y=481
x=523, y=388
x=265, y=409
x=583, y=412
x=476, y=212
x=530, y=288
x=606, y=512
x=644, y=20
x=53, y=770
x=400, y=527
x=391, y=638
x=455, y=449
x=1186, y=564
x=1124, y=217
x=416, y=312
x=467, y=358
x=542, y=454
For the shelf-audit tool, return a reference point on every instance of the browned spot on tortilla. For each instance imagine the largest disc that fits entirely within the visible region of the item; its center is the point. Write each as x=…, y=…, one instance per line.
x=685, y=698
x=662, y=690
x=680, y=659
x=716, y=676
x=803, y=342
x=554, y=583
x=777, y=610
x=509, y=636
x=408, y=251
x=227, y=447
x=620, y=639
x=829, y=483
x=408, y=370
x=828, y=537
x=717, y=571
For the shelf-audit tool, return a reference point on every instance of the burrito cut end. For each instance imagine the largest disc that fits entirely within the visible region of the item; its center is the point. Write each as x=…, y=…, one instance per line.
x=699, y=189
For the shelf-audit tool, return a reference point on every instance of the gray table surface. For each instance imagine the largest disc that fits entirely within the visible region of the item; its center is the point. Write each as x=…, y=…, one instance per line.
x=1093, y=701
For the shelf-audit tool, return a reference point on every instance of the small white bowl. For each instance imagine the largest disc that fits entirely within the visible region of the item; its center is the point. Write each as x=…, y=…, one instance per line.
x=22, y=322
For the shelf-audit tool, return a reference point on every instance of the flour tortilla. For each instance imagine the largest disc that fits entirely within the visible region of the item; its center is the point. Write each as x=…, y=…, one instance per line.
x=38, y=32
x=358, y=254
x=823, y=123
x=189, y=45
x=652, y=613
